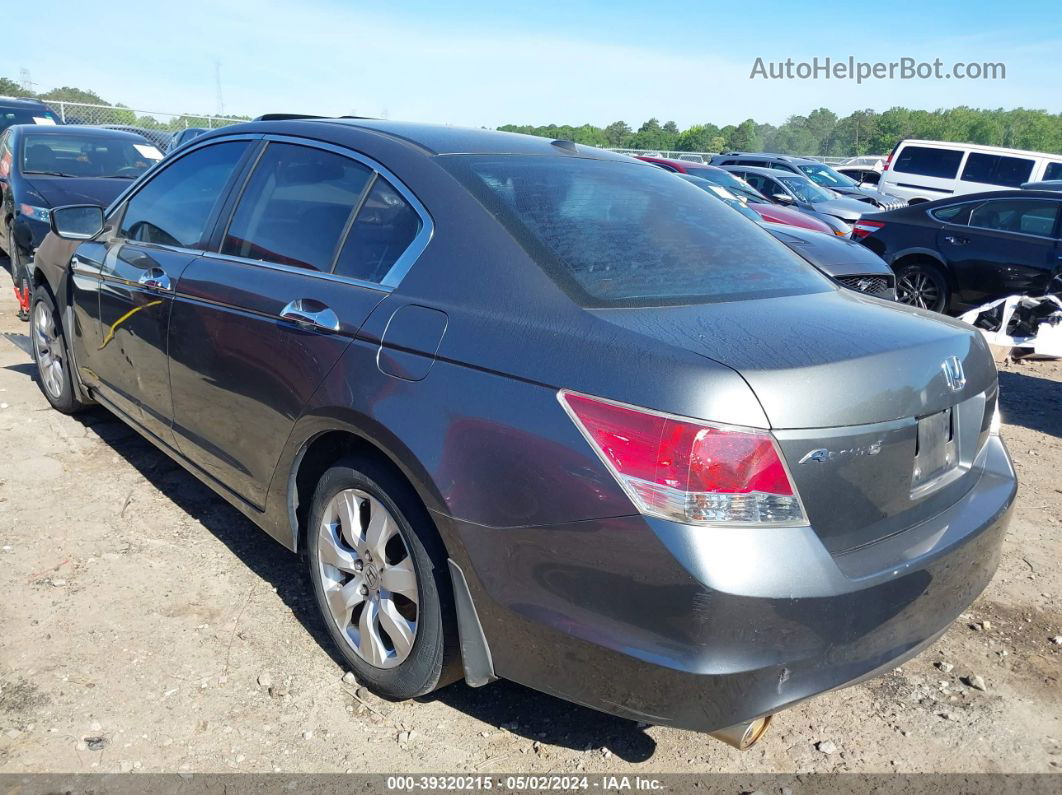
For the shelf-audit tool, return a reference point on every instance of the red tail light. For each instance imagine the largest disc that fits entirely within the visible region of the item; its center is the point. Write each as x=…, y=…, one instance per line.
x=686, y=470
x=861, y=229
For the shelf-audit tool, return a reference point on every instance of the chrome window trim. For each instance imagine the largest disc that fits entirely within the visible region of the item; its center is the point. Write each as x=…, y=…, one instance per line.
x=391, y=279
x=310, y=272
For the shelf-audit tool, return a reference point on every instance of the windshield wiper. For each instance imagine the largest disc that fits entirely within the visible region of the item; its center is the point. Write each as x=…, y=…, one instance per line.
x=119, y=176
x=50, y=173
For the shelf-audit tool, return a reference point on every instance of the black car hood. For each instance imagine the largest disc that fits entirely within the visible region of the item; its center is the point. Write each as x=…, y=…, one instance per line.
x=829, y=253
x=59, y=191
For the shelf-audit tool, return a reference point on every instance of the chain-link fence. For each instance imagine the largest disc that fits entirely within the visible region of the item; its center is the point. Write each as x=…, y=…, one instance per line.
x=117, y=115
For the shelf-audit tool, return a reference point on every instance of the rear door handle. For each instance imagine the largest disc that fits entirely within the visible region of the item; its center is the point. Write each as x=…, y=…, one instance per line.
x=309, y=313
x=956, y=241
x=155, y=279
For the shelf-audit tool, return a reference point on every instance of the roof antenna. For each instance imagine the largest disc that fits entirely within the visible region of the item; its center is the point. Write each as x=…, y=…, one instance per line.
x=566, y=145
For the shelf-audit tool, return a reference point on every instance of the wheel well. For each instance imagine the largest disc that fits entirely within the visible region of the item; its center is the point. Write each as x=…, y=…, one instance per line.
x=314, y=461
x=926, y=259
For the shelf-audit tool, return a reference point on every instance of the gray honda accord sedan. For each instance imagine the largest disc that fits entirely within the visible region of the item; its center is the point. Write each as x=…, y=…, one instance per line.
x=538, y=411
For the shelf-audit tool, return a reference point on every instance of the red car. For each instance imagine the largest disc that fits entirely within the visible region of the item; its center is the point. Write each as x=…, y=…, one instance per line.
x=772, y=213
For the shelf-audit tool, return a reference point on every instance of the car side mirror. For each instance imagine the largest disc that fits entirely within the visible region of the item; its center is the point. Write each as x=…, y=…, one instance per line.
x=782, y=198
x=77, y=221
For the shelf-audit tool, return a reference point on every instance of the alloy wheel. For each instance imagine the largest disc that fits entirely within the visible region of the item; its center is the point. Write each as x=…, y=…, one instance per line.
x=49, y=350
x=367, y=574
x=917, y=288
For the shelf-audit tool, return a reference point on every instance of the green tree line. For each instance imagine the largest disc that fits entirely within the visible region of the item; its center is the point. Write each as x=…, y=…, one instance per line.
x=822, y=132
x=116, y=113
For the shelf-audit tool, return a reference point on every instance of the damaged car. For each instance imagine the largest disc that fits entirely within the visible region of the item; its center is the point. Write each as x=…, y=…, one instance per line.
x=538, y=411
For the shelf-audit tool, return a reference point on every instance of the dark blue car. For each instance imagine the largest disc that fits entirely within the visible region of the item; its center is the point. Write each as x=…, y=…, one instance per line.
x=44, y=166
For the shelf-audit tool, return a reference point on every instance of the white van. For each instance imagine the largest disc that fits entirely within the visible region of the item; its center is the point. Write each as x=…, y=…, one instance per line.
x=925, y=170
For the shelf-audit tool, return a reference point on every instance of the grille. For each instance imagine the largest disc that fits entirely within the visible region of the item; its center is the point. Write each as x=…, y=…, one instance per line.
x=872, y=285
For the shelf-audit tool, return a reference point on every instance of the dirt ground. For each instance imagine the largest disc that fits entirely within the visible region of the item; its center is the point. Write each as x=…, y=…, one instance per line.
x=147, y=626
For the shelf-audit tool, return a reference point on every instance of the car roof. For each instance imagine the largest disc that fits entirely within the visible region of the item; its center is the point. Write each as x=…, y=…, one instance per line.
x=773, y=156
x=22, y=102
x=88, y=129
x=767, y=172
x=436, y=139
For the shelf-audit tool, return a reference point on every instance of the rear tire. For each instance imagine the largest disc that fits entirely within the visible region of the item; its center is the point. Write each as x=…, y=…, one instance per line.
x=923, y=285
x=54, y=375
x=380, y=579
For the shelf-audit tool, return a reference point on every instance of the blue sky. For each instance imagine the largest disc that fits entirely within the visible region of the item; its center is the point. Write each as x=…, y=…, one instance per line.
x=535, y=62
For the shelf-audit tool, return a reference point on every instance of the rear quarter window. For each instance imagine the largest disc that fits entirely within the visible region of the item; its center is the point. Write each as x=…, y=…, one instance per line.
x=928, y=161
x=616, y=234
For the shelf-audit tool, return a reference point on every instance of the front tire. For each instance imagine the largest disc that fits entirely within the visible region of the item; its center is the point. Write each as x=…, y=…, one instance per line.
x=19, y=276
x=54, y=375
x=380, y=579
x=923, y=285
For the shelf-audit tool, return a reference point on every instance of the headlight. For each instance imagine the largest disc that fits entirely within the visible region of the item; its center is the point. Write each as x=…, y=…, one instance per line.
x=36, y=213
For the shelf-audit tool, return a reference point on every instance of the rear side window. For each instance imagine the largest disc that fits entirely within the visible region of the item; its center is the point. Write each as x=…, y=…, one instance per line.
x=1024, y=216
x=296, y=207
x=384, y=228
x=175, y=205
x=1053, y=171
x=928, y=161
x=616, y=234
x=997, y=169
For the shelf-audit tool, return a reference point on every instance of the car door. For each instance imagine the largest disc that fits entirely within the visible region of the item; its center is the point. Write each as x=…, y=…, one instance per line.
x=1007, y=246
x=124, y=280
x=304, y=258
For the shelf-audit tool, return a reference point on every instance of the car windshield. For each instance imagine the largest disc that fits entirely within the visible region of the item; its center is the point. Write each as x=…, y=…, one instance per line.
x=805, y=189
x=9, y=116
x=617, y=234
x=822, y=174
x=732, y=183
x=724, y=194
x=79, y=155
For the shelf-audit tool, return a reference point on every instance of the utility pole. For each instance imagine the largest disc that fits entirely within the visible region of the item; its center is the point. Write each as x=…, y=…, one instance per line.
x=217, y=84
x=25, y=81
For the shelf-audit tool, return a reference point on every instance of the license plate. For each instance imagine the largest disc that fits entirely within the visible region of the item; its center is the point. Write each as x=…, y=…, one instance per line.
x=937, y=450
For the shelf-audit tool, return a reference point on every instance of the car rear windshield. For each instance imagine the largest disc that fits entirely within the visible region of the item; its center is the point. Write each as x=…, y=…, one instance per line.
x=618, y=234
x=80, y=155
x=9, y=116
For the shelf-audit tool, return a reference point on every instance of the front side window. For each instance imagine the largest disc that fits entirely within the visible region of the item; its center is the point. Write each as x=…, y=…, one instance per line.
x=174, y=207
x=1024, y=216
x=617, y=234
x=296, y=207
x=997, y=169
x=928, y=161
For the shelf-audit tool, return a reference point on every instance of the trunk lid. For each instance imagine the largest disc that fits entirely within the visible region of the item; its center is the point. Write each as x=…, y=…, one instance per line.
x=857, y=393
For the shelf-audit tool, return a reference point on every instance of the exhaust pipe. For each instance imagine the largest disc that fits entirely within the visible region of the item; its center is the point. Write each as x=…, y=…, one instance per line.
x=743, y=735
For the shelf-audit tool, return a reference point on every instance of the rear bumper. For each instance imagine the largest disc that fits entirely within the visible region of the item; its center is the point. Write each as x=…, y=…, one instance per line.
x=702, y=628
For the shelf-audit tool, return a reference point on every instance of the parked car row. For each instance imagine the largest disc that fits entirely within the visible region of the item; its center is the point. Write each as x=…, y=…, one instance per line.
x=43, y=166
x=538, y=411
